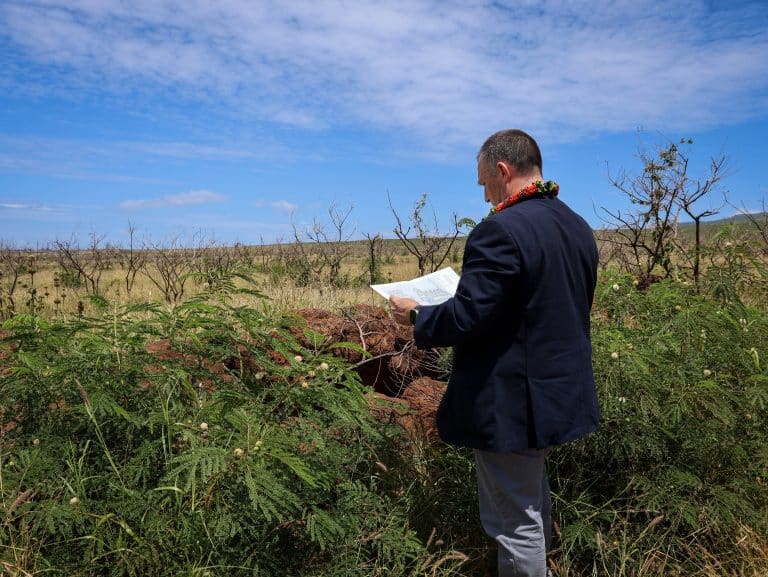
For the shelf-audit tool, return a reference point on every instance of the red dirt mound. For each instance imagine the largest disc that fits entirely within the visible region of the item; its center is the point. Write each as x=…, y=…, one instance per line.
x=415, y=410
x=386, y=359
x=384, y=354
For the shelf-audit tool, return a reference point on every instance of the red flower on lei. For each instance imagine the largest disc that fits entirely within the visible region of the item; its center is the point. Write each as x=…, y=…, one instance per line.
x=537, y=188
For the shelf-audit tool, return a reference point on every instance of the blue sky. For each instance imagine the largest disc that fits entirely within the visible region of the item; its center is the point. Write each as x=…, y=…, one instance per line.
x=242, y=120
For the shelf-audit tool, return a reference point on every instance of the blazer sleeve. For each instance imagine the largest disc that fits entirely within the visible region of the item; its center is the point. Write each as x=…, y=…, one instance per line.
x=490, y=270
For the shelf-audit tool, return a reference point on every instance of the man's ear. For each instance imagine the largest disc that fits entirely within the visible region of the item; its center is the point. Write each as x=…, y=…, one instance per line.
x=507, y=171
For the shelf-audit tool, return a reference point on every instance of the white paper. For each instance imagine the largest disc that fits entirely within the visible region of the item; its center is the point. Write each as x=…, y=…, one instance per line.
x=430, y=289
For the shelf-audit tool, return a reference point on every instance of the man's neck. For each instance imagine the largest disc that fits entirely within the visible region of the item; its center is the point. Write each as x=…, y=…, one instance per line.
x=520, y=182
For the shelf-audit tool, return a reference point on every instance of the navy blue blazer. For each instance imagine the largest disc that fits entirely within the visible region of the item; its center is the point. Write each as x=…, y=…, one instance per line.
x=519, y=324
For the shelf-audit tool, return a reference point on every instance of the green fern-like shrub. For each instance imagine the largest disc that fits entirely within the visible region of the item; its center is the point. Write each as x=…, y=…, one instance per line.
x=676, y=477
x=204, y=440
x=201, y=440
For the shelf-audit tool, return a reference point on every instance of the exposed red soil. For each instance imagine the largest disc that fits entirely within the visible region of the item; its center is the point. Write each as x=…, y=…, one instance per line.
x=390, y=361
x=9, y=425
x=415, y=410
x=4, y=348
x=163, y=351
x=394, y=368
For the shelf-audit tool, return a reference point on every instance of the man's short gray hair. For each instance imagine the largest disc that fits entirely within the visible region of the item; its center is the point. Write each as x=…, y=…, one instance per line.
x=515, y=147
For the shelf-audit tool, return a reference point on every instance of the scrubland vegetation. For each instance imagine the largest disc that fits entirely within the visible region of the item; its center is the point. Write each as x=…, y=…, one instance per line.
x=163, y=413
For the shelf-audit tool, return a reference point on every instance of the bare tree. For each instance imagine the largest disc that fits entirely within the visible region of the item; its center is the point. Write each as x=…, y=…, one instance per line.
x=170, y=269
x=647, y=235
x=302, y=265
x=88, y=264
x=759, y=222
x=373, y=261
x=243, y=255
x=213, y=262
x=265, y=254
x=609, y=252
x=329, y=243
x=132, y=260
x=756, y=248
x=429, y=246
x=693, y=191
x=13, y=264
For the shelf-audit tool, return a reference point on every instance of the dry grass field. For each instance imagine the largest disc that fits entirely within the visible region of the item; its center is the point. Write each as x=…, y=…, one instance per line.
x=48, y=283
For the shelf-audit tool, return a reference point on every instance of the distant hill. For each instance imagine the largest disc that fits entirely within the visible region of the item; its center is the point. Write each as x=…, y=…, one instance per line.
x=740, y=218
x=736, y=219
x=709, y=227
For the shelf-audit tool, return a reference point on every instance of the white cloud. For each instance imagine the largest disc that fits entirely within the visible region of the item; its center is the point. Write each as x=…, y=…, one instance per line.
x=188, y=150
x=284, y=206
x=73, y=159
x=33, y=222
x=30, y=208
x=173, y=200
x=81, y=159
x=445, y=72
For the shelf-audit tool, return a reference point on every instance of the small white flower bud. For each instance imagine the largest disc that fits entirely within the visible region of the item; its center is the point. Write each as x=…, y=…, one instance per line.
x=74, y=501
x=298, y=358
x=203, y=426
x=36, y=442
x=238, y=452
x=323, y=366
x=615, y=356
x=707, y=373
x=615, y=287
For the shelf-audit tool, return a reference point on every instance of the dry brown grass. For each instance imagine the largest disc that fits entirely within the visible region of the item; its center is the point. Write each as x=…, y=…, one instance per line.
x=53, y=300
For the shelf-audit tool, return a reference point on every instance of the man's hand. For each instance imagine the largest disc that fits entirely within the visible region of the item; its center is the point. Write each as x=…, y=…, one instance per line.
x=401, y=309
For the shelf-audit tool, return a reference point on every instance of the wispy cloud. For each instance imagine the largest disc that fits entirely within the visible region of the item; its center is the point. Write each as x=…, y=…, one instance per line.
x=71, y=159
x=30, y=208
x=284, y=206
x=196, y=151
x=442, y=71
x=175, y=200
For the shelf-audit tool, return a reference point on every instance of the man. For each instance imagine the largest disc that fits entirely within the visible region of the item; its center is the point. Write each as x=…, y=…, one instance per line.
x=522, y=379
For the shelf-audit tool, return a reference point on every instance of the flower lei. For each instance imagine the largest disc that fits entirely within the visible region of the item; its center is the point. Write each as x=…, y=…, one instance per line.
x=537, y=188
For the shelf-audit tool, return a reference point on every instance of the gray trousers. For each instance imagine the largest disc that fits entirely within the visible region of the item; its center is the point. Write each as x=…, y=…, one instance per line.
x=516, y=509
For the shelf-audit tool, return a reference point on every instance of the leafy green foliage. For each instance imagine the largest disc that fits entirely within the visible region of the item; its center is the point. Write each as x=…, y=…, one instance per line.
x=197, y=440
x=204, y=440
x=682, y=453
